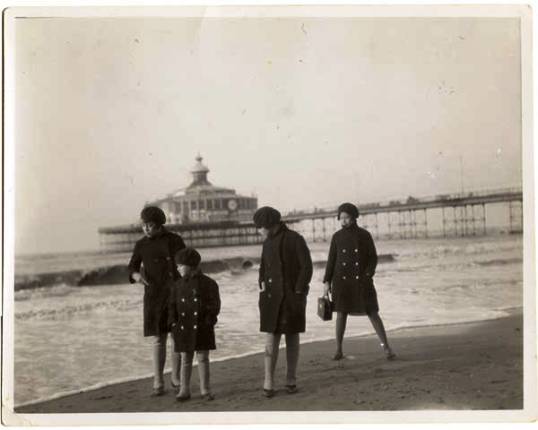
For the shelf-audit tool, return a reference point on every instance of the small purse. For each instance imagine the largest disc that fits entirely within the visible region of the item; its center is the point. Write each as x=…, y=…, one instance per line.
x=325, y=308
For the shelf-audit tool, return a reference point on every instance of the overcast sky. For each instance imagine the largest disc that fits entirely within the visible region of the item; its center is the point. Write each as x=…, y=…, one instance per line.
x=304, y=112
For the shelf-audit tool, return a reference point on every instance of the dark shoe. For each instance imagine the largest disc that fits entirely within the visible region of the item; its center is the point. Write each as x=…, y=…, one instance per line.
x=183, y=397
x=389, y=354
x=208, y=397
x=338, y=356
x=291, y=389
x=157, y=392
x=268, y=393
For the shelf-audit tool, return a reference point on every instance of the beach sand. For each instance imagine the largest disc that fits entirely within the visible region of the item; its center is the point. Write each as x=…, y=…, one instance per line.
x=468, y=366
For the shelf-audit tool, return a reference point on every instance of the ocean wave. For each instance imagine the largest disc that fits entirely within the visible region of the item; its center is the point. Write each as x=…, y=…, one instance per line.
x=69, y=310
x=119, y=274
x=499, y=262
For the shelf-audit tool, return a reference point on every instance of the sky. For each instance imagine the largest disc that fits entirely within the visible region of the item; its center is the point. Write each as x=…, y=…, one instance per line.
x=303, y=112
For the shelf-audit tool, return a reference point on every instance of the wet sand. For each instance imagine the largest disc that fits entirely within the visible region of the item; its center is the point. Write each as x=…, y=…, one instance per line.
x=472, y=366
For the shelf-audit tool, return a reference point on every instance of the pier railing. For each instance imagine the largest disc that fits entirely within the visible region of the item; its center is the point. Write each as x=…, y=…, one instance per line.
x=404, y=218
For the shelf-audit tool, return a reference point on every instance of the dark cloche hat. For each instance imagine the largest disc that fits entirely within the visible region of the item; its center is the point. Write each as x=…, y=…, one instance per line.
x=266, y=217
x=153, y=214
x=188, y=257
x=348, y=208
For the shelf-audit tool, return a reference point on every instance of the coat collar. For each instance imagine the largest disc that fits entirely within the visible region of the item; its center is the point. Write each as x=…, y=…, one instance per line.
x=161, y=233
x=281, y=229
x=193, y=275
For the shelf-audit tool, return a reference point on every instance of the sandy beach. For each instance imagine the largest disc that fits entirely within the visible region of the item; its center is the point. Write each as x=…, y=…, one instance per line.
x=471, y=366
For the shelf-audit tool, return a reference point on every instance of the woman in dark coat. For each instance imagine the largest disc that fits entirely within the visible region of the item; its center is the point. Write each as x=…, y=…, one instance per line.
x=349, y=276
x=193, y=309
x=285, y=274
x=152, y=264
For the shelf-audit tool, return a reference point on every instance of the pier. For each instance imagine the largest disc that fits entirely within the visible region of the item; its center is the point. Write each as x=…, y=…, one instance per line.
x=446, y=215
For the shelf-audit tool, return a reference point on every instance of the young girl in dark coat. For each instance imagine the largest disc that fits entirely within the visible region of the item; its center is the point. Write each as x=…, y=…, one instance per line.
x=152, y=264
x=349, y=276
x=193, y=308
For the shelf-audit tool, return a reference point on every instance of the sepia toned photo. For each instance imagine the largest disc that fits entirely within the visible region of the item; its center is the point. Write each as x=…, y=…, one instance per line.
x=247, y=214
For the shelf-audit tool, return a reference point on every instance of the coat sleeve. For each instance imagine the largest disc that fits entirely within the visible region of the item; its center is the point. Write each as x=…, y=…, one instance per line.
x=135, y=262
x=213, y=303
x=372, y=256
x=331, y=262
x=261, y=275
x=305, y=266
x=172, y=310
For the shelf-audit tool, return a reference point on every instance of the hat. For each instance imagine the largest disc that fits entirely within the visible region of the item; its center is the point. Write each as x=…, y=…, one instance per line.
x=348, y=208
x=266, y=217
x=153, y=214
x=188, y=257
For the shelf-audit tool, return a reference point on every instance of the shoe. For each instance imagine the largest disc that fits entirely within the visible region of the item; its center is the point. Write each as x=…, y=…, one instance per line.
x=291, y=389
x=208, y=397
x=174, y=386
x=338, y=356
x=159, y=391
x=183, y=397
x=268, y=393
x=389, y=354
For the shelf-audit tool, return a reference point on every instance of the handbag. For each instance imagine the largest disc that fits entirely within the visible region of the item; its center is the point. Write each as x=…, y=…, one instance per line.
x=325, y=308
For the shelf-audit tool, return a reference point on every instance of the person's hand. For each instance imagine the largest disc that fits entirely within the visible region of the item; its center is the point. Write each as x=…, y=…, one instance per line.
x=262, y=286
x=326, y=288
x=139, y=278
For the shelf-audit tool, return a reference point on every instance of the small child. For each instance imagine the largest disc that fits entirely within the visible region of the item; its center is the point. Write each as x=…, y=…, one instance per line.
x=193, y=308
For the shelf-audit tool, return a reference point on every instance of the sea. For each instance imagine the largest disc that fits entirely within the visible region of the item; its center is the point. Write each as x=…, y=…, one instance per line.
x=70, y=338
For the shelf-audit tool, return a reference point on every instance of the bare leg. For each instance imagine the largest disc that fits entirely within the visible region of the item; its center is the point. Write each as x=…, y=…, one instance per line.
x=272, y=342
x=159, y=358
x=175, y=358
x=379, y=328
x=203, y=371
x=341, y=320
x=292, y=358
x=186, y=371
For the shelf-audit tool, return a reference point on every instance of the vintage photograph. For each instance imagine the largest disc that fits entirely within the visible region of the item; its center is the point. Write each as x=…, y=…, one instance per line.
x=268, y=210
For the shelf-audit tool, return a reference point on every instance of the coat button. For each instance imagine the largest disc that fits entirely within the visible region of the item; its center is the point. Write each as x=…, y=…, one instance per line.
x=343, y=277
x=195, y=326
x=356, y=277
x=195, y=299
x=196, y=313
x=344, y=263
x=182, y=300
x=182, y=327
x=182, y=314
x=343, y=250
x=269, y=280
x=269, y=295
x=356, y=263
x=356, y=250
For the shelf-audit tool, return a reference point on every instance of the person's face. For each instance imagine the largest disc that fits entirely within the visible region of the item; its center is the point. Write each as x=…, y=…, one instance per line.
x=346, y=219
x=150, y=229
x=264, y=231
x=184, y=269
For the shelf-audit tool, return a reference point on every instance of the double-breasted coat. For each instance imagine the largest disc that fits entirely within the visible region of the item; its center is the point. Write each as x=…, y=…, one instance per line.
x=350, y=269
x=286, y=270
x=153, y=257
x=192, y=315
